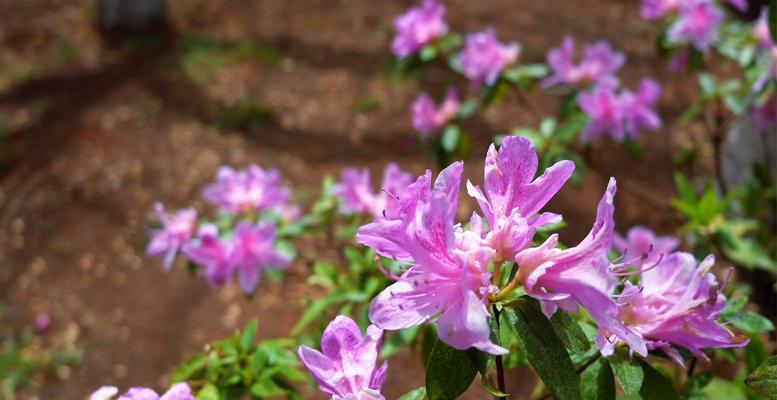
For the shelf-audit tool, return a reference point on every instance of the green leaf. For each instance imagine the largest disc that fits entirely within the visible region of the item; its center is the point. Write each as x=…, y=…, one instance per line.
x=417, y=394
x=569, y=331
x=656, y=386
x=189, y=368
x=247, y=339
x=629, y=375
x=428, y=53
x=208, y=392
x=751, y=322
x=450, y=138
x=744, y=251
x=755, y=353
x=544, y=350
x=449, y=372
x=764, y=379
x=690, y=114
x=597, y=381
x=265, y=388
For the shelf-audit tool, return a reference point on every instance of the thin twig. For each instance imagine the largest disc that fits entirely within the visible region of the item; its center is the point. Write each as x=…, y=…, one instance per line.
x=500, y=373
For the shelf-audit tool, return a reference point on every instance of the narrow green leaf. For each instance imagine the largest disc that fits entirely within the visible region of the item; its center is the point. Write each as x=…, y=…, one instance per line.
x=449, y=372
x=569, y=331
x=450, y=138
x=764, y=379
x=544, y=350
x=417, y=394
x=629, y=375
x=189, y=368
x=247, y=339
x=755, y=353
x=655, y=385
x=597, y=381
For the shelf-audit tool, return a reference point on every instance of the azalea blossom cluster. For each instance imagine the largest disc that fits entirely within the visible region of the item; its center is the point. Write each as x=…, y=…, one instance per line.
x=244, y=242
x=700, y=24
x=453, y=270
x=357, y=196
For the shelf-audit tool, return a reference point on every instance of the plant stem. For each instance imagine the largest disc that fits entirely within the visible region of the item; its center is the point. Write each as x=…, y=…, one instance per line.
x=588, y=363
x=500, y=373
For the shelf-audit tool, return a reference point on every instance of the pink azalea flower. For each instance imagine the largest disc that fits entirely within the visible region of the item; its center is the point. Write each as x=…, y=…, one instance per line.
x=484, y=56
x=42, y=322
x=355, y=191
x=579, y=276
x=676, y=304
x=253, y=248
x=642, y=244
x=638, y=108
x=418, y=27
x=739, y=5
x=513, y=196
x=653, y=9
x=598, y=65
x=212, y=253
x=621, y=115
x=427, y=118
x=761, y=31
x=697, y=23
x=176, y=229
x=346, y=368
x=250, y=190
x=179, y=391
x=445, y=281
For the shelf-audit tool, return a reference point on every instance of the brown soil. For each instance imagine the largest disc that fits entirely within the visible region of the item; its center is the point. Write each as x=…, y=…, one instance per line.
x=97, y=134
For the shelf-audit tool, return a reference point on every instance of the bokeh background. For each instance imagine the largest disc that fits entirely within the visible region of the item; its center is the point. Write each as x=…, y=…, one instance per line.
x=97, y=124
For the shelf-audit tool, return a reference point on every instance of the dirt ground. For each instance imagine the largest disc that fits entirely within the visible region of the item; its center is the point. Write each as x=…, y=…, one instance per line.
x=97, y=133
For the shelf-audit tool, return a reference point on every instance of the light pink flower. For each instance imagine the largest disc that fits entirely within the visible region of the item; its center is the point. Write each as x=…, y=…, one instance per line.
x=418, y=27
x=179, y=391
x=176, y=229
x=643, y=245
x=677, y=304
x=356, y=194
x=427, y=118
x=212, y=253
x=247, y=191
x=445, y=281
x=579, y=276
x=598, y=65
x=346, y=368
x=513, y=196
x=653, y=9
x=622, y=114
x=253, y=248
x=761, y=31
x=484, y=56
x=697, y=23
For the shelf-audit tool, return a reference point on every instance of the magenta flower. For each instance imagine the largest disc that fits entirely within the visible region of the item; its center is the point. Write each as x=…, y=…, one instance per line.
x=418, y=27
x=603, y=107
x=355, y=191
x=247, y=191
x=579, y=276
x=653, y=9
x=212, y=253
x=513, y=196
x=484, y=56
x=642, y=245
x=761, y=31
x=427, y=118
x=638, y=108
x=740, y=5
x=253, y=248
x=676, y=304
x=179, y=391
x=621, y=115
x=697, y=23
x=346, y=368
x=42, y=322
x=445, y=282
x=176, y=229
x=598, y=65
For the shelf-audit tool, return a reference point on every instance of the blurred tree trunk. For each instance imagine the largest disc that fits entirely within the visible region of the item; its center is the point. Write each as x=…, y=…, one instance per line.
x=130, y=15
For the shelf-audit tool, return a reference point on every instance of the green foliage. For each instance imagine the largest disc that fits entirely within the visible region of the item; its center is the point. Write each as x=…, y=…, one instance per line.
x=24, y=363
x=544, y=350
x=569, y=331
x=417, y=394
x=449, y=372
x=764, y=379
x=597, y=381
x=238, y=366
